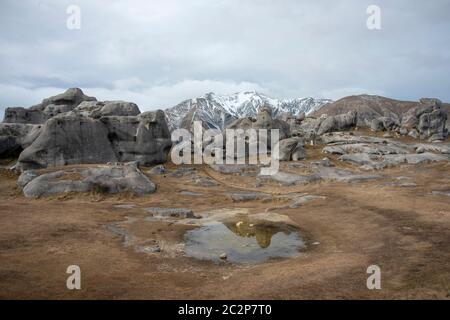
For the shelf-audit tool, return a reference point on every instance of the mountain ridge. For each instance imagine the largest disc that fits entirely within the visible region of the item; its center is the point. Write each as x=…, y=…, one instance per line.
x=216, y=111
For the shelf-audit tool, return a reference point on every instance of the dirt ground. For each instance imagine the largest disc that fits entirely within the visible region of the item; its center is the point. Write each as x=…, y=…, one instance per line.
x=403, y=230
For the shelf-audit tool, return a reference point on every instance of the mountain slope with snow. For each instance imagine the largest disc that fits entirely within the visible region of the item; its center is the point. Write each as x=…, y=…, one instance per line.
x=218, y=110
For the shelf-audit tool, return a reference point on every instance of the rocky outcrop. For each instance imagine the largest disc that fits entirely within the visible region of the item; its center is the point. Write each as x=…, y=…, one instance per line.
x=144, y=138
x=427, y=121
x=73, y=138
x=291, y=149
x=103, y=179
x=263, y=120
x=14, y=137
x=98, y=109
x=79, y=129
x=68, y=139
x=384, y=124
x=338, y=123
x=48, y=108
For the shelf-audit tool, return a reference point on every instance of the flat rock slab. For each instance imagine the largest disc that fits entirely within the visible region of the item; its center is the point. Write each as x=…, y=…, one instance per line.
x=205, y=182
x=159, y=169
x=346, y=138
x=191, y=193
x=299, y=201
x=374, y=162
x=289, y=179
x=441, y=193
x=238, y=197
x=184, y=171
x=125, y=206
x=435, y=148
x=341, y=175
x=379, y=149
x=399, y=184
x=180, y=213
x=233, y=168
x=103, y=179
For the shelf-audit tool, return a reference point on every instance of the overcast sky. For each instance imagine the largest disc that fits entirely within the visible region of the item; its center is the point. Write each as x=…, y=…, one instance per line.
x=158, y=53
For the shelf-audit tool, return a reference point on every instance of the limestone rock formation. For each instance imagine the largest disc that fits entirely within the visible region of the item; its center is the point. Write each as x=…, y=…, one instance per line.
x=48, y=108
x=68, y=139
x=291, y=149
x=79, y=129
x=144, y=138
x=104, y=179
x=338, y=123
x=428, y=119
x=98, y=109
x=14, y=137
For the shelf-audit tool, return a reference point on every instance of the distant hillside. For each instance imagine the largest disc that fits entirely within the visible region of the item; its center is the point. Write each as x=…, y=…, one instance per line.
x=370, y=106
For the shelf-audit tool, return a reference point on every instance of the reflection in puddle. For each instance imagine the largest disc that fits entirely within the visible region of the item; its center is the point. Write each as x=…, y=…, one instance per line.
x=243, y=242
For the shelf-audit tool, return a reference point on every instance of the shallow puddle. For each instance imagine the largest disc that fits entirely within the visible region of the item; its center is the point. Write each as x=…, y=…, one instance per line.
x=243, y=242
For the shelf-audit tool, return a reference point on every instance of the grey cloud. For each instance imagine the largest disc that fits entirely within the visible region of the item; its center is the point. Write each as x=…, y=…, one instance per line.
x=158, y=53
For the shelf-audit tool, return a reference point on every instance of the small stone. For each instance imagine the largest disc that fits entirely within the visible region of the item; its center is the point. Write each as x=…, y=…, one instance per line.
x=316, y=243
x=223, y=256
x=239, y=223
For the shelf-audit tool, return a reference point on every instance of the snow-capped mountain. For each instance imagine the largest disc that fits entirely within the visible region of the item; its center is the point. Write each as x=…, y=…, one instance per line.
x=218, y=110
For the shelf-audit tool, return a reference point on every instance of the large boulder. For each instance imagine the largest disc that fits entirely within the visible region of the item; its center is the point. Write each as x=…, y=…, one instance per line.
x=98, y=109
x=264, y=120
x=428, y=119
x=105, y=179
x=384, y=124
x=14, y=137
x=48, y=108
x=338, y=123
x=291, y=149
x=144, y=138
x=73, y=138
x=23, y=115
x=68, y=139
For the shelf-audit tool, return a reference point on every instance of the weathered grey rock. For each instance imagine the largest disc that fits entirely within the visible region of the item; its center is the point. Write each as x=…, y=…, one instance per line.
x=48, y=108
x=171, y=212
x=191, y=193
x=289, y=179
x=98, y=109
x=248, y=196
x=291, y=149
x=144, y=138
x=399, y=184
x=441, y=193
x=264, y=120
x=68, y=139
x=341, y=175
x=309, y=126
x=434, y=148
x=14, y=137
x=184, y=171
x=205, y=182
x=26, y=177
x=378, y=149
x=23, y=115
x=374, y=162
x=233, y=168
x=377, y=125
x=301, y=200
x=338, y=138
x=413, y=134
x=383, y=124
x=105, y=179
x=338, y=123
x=427, y=118
x=430, y=101
x=159, y=169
